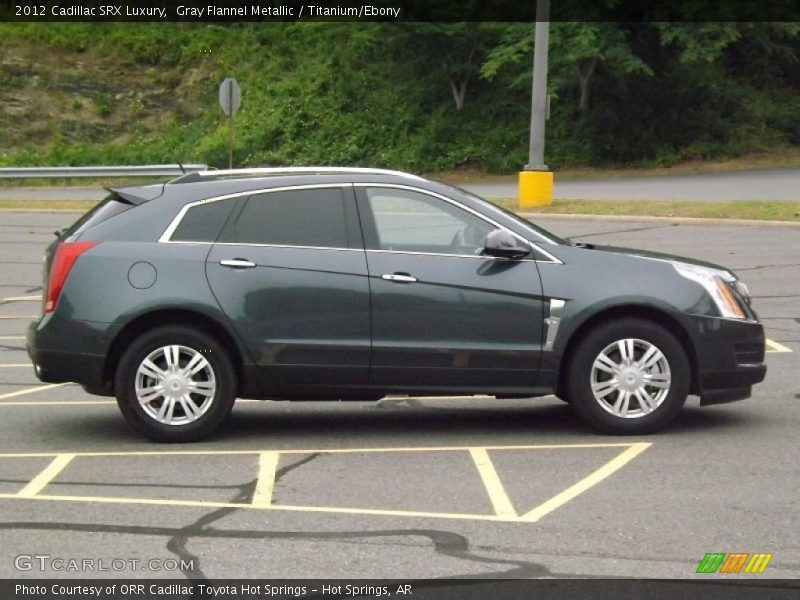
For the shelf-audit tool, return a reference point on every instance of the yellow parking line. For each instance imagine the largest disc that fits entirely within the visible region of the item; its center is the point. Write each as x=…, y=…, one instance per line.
x=277, y=507
x=587, y=482
x=269, y=461
x=58, y=403
x=38, y=483
x=323, y=451
x=776, y=347
x=491, y=481
x=267, y=467
x=40, y=388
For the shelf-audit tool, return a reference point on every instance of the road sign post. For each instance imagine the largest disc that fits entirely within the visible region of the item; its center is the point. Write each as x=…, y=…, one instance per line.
x=230, y=98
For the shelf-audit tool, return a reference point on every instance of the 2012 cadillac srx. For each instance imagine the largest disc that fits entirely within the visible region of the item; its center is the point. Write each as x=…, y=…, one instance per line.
x=328, y=283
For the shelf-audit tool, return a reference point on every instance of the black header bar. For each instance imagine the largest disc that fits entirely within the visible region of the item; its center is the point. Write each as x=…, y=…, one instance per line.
x=397, y=10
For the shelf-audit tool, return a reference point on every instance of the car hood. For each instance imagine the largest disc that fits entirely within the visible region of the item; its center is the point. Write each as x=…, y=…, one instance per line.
x=651, y=255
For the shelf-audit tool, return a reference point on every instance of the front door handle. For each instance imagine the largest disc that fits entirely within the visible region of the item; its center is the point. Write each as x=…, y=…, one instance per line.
x=237, y=263
x=399, y=277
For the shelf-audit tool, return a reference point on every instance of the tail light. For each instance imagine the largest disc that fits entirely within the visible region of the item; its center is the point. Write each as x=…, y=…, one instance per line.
x=66, y=255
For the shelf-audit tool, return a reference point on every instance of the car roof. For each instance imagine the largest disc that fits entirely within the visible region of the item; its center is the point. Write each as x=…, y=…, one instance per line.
x=269, y=172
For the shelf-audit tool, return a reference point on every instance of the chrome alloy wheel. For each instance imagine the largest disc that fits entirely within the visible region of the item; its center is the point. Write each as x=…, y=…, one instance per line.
x=630, y=378
x=175, y=385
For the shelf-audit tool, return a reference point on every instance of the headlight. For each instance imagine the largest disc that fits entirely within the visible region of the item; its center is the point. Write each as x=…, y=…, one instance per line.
x=716, y=282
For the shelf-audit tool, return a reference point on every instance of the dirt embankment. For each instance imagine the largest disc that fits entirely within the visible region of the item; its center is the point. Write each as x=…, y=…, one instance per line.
x=49, y=95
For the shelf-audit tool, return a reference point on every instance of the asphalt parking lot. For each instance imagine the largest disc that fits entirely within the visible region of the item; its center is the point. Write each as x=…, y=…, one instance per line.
x=406, y=488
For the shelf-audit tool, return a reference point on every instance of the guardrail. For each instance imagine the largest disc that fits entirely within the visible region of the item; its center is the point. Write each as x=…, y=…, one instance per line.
x=69, y=172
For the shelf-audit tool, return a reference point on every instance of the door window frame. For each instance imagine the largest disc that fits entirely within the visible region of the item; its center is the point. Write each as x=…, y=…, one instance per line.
x=355, y=238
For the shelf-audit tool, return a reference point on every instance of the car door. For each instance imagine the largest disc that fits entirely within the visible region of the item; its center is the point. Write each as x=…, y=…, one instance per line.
x=445, y=316
x=289, y=271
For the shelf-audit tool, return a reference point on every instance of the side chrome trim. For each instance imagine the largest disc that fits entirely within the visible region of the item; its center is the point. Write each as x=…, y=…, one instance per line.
x=265, y=246
x=474, y=212
x=173, y=225
x=552, y=322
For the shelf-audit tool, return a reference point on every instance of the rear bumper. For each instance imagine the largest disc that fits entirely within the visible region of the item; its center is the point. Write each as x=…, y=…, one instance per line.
x=59, y=366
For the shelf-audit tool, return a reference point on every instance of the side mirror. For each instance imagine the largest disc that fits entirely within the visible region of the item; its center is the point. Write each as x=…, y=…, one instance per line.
x=501, y=243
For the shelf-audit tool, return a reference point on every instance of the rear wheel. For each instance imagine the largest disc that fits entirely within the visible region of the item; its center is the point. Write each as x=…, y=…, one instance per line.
x=628, y=377
x=175, y=385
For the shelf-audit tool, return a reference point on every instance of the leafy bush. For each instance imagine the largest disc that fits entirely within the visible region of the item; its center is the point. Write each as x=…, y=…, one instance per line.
x=385, y=94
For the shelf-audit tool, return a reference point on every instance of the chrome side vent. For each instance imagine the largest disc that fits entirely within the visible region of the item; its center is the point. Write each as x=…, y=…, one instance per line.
x=552, y=322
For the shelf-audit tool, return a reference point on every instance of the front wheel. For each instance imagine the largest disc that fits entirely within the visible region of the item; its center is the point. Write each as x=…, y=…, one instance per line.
x=628, y=377
x=175, y=384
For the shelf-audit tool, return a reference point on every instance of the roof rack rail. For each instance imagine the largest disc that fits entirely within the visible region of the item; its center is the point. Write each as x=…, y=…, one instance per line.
x=213, y=174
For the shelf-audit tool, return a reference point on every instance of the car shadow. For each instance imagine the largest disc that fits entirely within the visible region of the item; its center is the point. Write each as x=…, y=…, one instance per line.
x=335, y=424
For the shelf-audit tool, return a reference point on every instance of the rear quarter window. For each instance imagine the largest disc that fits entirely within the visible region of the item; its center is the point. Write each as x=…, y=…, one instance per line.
x=202, y=223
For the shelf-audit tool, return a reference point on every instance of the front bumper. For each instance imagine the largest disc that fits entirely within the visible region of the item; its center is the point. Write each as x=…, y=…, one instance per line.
x=729, y=357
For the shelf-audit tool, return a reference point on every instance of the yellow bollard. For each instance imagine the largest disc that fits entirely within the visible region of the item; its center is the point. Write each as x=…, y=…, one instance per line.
x=535, y=188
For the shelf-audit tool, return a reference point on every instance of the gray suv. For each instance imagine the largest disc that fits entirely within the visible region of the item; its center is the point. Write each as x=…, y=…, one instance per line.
x=338, y=283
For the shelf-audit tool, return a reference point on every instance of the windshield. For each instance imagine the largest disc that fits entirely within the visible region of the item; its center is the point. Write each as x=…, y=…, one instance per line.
x=538, y=231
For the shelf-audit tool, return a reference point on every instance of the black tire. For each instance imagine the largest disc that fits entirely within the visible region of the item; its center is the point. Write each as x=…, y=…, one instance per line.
x=599, y=340
x=218, y=375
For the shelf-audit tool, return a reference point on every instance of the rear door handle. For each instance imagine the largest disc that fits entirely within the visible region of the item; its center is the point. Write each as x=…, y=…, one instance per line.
x=237, y=263
x=399, y=277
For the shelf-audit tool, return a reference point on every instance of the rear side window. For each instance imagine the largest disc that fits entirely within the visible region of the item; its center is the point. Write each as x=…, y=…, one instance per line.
x=110, y=207
x=313, y=217
x=203, y=222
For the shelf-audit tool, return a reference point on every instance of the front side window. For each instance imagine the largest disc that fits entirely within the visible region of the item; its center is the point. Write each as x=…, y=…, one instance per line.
x=408, y=221
x=311, y=217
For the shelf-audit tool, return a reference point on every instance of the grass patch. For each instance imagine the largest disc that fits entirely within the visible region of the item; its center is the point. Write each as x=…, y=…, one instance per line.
x=51, y=205
x=759, y=210
x=778, y=158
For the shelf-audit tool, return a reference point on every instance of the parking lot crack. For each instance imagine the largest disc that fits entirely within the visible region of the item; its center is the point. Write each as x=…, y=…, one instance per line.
x=446, y=543
x=178, y=542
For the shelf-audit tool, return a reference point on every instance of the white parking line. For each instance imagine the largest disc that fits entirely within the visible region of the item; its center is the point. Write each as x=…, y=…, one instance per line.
x=773, y=346
x=12, y=337
x=22, y=299
x=31, y=390
x=16, y=366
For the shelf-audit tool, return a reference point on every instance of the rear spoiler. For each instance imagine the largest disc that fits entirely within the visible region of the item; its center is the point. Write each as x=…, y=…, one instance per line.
x=138, y=194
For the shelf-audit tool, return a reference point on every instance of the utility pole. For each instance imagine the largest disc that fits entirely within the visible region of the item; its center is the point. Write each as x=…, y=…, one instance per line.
x=535, y=181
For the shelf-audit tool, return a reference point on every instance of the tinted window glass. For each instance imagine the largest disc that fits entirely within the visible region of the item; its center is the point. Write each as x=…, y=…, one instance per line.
x=540, y=231
x=202, y=223
x=292, y=218
x=414, y=222
x=110, y=207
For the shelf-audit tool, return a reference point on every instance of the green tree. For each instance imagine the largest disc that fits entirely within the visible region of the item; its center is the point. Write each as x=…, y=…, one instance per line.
x=576, y=50
x=456, y=50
